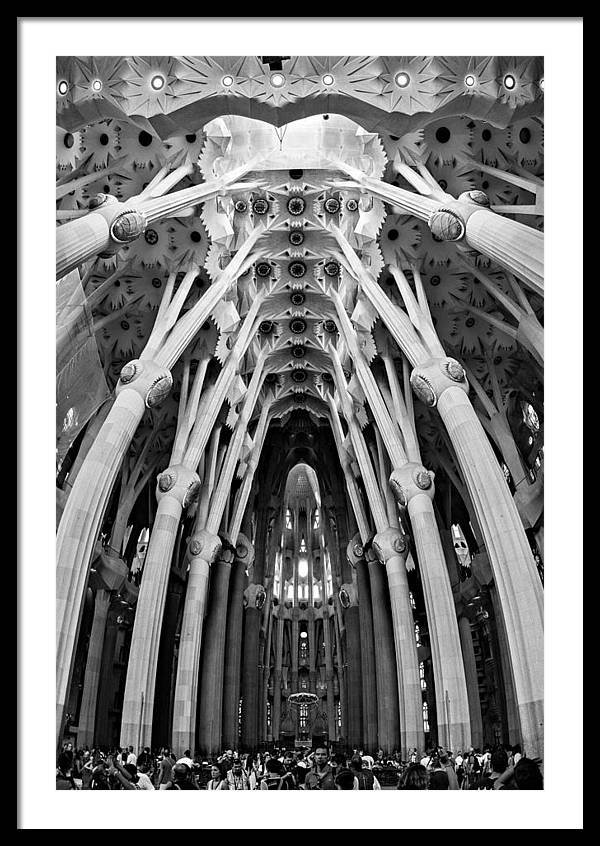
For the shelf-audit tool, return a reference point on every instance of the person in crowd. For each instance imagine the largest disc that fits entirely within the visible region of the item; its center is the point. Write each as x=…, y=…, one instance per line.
x=365, y=780
x=415, y=777
x=438, y=780
x=218, y=780
x=227, y=759
x=498, y=765
x=252, y=770
x=345, y=780
x=64, y=775
x=525, y=775
x=300, y=769
x=446, y=764
x=182, y=778
x=131, y=756
x=272, y=779
x=99, y=778
x=517, y=754
x=165, y=768
x=237, y=779
x=320, y=776
x=289, y=778
x=186, y=759
x=145, y=757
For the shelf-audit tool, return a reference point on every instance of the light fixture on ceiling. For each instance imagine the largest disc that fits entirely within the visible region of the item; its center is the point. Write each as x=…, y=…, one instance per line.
x=62, y=87
x=97, y=85
x=303, y=635
x=509, y=81
x=542, y=83
x=328, y=79
x=227, y=81
x=277, y=80
x=402, y=79
x=157, y=82
x=470, y=80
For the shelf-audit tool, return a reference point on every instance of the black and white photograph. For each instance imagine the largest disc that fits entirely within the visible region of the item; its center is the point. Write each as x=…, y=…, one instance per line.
x=296, y=363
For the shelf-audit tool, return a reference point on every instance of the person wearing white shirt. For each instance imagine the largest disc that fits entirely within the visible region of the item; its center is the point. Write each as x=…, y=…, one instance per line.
x=131, y=757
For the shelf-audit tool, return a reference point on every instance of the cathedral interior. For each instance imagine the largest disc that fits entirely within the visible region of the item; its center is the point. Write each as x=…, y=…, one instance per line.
x=299, y=402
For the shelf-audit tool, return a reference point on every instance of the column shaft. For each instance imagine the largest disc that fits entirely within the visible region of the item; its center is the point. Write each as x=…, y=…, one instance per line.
x=211, y=688
x=87, y=712
x=388, y=718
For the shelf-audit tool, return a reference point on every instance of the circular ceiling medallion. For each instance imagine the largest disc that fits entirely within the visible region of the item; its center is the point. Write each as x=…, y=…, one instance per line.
x=332, y=268
x=332, y=205
x=297, y=298
x=402, y=79
x=297, y=326
x=299, y=376
x=296, y=205
x=352, y=205
x=241, y=206
x=260, y=206
x=296, y=238
x=263, y=269
x=330, y=326
x=266, y=327
x=298, y=351
x=297, y=269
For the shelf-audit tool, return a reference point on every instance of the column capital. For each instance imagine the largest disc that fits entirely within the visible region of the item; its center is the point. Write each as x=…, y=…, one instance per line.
x=125, y=223
x=412, y=479
x=244, y=550
x=430, y=379
x=204, y=545
x=449, y=221
x=178, y=482
x=389, y=544
x=151, y=381
x=355, y=551
x=255, y=596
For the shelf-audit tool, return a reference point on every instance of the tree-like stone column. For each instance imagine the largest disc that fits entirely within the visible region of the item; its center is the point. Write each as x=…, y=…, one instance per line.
x=414, y=488
x=468, y=654
x=254, y=600
x=211, y=685
x=177, y=487
x=141, y=385
x=441, y=382
x=233, y=646
x=387, y=663
x=203, y=550
x=356, y=556
x=349, y=601
x=390, y=548
x=87, y=711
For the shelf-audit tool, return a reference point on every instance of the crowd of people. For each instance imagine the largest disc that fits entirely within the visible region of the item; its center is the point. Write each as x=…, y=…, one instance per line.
x=500, y=768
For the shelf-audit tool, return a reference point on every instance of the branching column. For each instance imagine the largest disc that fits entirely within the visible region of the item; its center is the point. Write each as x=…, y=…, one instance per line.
x=442, y=382
x=413, y=487
x=176, y=489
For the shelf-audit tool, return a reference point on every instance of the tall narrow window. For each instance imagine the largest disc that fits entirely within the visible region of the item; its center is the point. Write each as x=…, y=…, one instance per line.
x=317, y=519
x=418, y=634
x=288, y=518
x=425, y=717
x=422, y=676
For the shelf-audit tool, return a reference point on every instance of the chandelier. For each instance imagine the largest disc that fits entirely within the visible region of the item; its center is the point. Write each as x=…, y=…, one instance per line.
x=303, y=698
